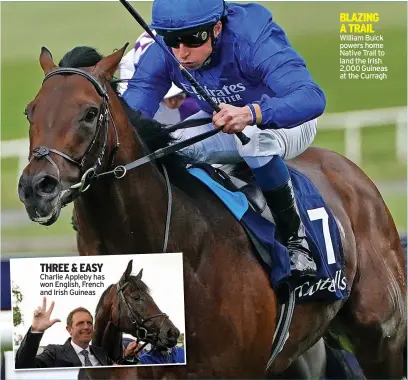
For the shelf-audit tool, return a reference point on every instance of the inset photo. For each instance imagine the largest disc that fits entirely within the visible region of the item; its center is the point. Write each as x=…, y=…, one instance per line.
x=98, y=311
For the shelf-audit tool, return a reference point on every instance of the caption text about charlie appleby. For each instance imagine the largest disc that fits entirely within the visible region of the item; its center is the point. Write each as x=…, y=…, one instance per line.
x=71, y=279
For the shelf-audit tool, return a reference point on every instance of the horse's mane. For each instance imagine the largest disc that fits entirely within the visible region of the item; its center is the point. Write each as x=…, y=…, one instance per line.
x=138, y=284
x=134, y=282
x=80, y=56
x=105, y=292
x=150, y=131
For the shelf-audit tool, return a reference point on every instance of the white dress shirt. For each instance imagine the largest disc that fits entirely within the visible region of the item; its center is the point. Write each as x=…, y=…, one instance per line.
x=92, y=358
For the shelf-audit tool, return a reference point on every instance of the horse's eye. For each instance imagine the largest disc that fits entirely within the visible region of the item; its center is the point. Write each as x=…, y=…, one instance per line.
x=91, y=114
x=26, y=115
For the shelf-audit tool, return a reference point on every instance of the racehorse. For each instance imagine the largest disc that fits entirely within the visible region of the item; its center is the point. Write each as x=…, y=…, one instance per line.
x=78, y=125
x=127, y=306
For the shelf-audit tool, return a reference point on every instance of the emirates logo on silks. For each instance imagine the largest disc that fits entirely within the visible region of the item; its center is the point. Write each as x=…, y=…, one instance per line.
x=227, y=94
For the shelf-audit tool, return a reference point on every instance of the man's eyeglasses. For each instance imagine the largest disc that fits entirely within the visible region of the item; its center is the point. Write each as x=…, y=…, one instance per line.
x=193, y=40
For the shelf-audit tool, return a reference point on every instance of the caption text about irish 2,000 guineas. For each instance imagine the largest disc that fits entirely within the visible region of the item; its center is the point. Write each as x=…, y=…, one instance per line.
x=362, y=47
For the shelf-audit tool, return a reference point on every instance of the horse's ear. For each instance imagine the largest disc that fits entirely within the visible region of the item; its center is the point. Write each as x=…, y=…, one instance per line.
x=46, y=61
x=139, y=275
x=108, y=65
x=129, y=269
x=127, y=272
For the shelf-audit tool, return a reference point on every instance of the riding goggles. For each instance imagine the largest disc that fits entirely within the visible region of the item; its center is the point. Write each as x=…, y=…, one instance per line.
x=192, y=39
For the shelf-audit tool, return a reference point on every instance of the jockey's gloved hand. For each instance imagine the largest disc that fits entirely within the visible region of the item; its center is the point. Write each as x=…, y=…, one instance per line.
x=234, y=119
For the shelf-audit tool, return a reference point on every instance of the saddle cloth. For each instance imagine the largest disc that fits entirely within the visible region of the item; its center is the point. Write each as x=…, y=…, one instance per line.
x=322, y=234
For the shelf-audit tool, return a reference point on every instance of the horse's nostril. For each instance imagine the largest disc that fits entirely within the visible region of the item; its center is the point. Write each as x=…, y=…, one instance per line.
x=172, y=333
x=46, y=185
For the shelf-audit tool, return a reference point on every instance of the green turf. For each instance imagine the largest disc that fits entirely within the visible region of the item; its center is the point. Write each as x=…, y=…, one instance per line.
x=62, y=227
x=9, y=196
x=312, y=27
x=398, y=208
x=378, y=151
x=347, y=95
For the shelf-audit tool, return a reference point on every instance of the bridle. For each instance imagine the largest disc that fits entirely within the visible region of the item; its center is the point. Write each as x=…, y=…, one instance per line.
x=105, y=116
x=141, y=331
x=102, y=124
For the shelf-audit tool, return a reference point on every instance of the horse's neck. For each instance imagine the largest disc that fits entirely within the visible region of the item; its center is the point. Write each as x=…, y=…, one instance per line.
x=109, y=337
x=129, y=213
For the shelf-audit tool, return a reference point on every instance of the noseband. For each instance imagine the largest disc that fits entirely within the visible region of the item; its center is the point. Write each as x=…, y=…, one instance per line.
x=103, y=123
x=142, y=333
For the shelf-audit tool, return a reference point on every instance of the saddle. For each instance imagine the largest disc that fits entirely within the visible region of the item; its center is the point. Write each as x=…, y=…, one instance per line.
x=257, y=202
x=248, y=205
x=255, y=197
x=253, y=193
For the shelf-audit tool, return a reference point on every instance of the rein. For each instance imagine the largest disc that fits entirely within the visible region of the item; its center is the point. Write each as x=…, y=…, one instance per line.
x=104, y=117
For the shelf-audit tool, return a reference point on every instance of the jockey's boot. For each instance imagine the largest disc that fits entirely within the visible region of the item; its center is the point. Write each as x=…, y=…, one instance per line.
x=282, y=203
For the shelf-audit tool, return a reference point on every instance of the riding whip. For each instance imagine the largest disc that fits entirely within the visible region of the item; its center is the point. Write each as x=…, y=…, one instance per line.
x=244, y=139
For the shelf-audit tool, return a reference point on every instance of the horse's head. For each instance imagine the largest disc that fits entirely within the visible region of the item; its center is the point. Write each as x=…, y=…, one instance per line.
x=136, y=312
x=70, y=134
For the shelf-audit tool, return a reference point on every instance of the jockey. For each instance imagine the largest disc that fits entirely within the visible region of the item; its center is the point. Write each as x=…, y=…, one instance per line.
x=244, y=62
x=175, y=106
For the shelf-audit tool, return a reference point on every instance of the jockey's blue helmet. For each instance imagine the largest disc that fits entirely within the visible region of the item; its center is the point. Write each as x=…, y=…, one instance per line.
x=174, y=15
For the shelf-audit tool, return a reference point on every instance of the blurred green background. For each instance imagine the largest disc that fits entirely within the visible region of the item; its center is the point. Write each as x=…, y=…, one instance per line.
x=313, y=29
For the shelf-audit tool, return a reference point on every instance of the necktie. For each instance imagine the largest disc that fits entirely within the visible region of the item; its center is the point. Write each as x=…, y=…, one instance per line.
x=87, y=361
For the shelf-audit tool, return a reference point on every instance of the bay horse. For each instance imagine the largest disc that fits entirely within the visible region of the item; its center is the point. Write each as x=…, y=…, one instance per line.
x=77, y=122
x=128, y=307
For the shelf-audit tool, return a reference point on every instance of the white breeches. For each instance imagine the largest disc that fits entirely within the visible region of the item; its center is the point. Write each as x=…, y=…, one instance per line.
x=224, y=148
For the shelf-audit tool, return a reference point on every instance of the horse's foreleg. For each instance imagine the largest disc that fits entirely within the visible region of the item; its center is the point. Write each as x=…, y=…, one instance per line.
x=387, y=363
x=116, y=373
x=310, y=365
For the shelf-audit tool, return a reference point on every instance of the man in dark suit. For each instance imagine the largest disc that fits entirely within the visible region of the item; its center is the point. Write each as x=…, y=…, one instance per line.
x=75, y=352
